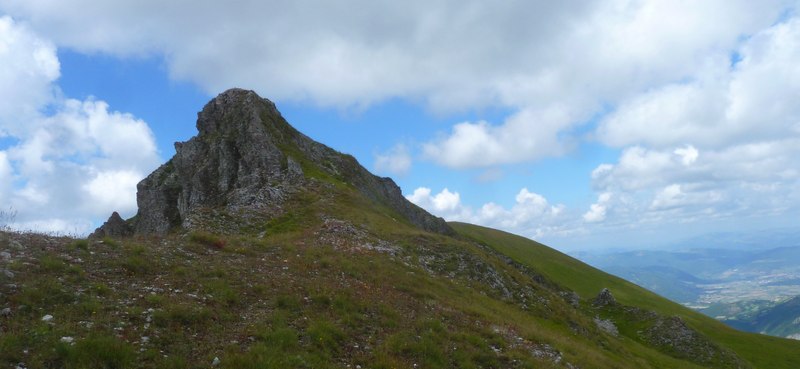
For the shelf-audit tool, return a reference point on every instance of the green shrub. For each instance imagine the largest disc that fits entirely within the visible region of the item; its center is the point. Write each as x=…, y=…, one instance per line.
x=208, y=239
x=325, y=336
x=110, y=242
x=222, y=292
x=136, y=264
x=101, y=352
x=79, y=244
x=53, y=264
x=181, y=315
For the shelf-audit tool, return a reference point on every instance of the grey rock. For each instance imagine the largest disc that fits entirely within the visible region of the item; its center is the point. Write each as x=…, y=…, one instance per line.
x=14, y=244
x=5, y=312
x=572, y=298
x=5, y=255
x=604, y=298
x=247, y=160
x=673, y=335
x=606, y=325
x=115, y=226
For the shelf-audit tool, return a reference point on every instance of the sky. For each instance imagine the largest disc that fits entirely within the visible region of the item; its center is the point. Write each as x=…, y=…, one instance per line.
x=582, y=124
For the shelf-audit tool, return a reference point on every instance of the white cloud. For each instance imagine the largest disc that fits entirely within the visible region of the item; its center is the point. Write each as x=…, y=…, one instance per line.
x=688, y=154
x=721, y=144
x=597, y=211
x=112, y=190
x=526, y=135
x=29, y=67
x=735, y=182
x=531, y=215
x=721, y=104
x=395, y=161
x=445, y=202
x=70, y=163
x=6, y=178
x=554, y=65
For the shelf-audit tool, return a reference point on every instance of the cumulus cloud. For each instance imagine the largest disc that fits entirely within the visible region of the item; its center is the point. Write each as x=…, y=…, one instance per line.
x=525, y=136
x=29, y=67
x=597, y=211
x=395, y=161
x=70, y=162
x=531, y=214
x=720, y=105
x=553, y=65
x=722, y=143
x=680, y=184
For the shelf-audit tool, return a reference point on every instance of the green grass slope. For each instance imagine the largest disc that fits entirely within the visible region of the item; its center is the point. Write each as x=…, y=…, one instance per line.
x=761, y=351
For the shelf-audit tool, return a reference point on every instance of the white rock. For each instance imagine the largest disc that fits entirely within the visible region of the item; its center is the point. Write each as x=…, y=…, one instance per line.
x=47, y=318
x=215, y=362
x=5, y=312
x=67, y=339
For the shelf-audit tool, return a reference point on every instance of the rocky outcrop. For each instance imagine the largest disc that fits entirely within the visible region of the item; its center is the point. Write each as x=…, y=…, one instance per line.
x=672, y=335
x=247, y=159
x=668, y=334
x=604, y=298
x=115, y=226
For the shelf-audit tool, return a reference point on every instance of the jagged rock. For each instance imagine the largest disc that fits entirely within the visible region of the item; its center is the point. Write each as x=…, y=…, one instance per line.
x=115, y=226
x=246, y=159
x=604, y=298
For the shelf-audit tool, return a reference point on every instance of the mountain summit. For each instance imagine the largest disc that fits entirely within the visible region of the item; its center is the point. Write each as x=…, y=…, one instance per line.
x=246, y=162
x=256, y=247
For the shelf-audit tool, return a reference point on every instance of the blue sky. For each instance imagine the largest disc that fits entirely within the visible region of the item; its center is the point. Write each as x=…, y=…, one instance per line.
x=630, y=124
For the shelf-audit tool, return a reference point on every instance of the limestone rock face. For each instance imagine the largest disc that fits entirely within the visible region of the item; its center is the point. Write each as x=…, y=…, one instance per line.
x=247, y=159
x=115, y=226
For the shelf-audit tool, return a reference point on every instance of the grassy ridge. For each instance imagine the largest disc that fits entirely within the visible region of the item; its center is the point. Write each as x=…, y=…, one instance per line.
x=760, y=350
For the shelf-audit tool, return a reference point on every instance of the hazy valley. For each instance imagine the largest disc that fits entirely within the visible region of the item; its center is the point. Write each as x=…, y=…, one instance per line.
x=740, y=286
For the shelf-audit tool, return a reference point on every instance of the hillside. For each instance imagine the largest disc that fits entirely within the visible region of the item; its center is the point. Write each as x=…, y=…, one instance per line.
x=778, y=319
x=255, y=247
x=585, y=280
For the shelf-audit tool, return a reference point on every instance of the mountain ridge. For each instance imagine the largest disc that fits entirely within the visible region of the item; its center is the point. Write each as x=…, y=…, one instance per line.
x=247, y=159
x=273, y=251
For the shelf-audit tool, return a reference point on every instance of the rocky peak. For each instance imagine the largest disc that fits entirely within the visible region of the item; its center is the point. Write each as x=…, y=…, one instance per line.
x=115, y=226
x=246, y=159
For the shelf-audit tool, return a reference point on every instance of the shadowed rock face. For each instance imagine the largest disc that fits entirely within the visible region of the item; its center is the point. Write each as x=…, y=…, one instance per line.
x=247, y=159
x=115, y=226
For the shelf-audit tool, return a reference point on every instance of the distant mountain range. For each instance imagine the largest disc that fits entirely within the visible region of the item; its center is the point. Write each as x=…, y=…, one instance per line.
x=751, y=289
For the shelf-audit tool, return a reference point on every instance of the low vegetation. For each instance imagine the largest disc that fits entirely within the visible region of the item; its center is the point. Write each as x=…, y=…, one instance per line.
x=337, y=281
